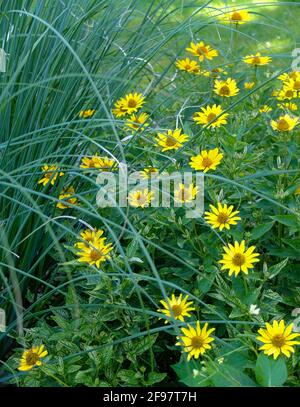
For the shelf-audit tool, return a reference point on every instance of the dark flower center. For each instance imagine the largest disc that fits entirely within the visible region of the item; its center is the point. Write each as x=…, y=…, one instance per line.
x=131, y=103
x=197, y=342
x=278, y=341
x=32, y=358
x=222, y=217
x=224, y=90
x=238, y=259
x=177, y=310
x=206, y=162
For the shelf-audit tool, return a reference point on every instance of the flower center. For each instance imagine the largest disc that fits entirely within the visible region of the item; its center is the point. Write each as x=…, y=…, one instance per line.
x=278, y=341
x=236, y=16
x=170, y=142
x=222, y=217
x=188, y=67
x=202, y=50
x=95, y=255
x=256, y=60
x=32, y=358
x=282, y=124
x=211, y=117
x=206, y=162
x=177, y=310
x=197, y=342
x=238, y=259
x=297, y=85
x=131, y=103
x=289, y=93
x=224, y=90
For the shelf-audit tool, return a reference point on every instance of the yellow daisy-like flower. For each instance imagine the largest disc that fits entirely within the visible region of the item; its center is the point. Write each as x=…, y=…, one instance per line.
x=188, y=65
x=137, y=122
x=291, y=75
x=93, y=250
x=288, y=106
x=67, y=198
x=237, y=16
x=213, y=73
x=148, y=172
x=285, y=93
x=32, y=357
x=277, y=339
x=236, y=258
x=249, y=85
x=208, y=116
x=87, y=113
x=103, y=164
x=222, y=216
x=182, y=194
x=227, y=88
x=265, y=109
x=176, y=307
x=195, y=341
x=206, y=160
x=284, y=123
x=257, y=60
x=202, y=51
x=129, y=104
x=293, y=84
x=172, y=140
x=140, y=199
x=50, y=174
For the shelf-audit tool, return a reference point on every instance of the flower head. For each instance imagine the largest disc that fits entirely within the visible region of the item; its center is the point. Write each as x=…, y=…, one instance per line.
x=202, y=51
x=32, y=357
x=188, y=65
x=149, y=172
x=293, y=84
x=183, y=194
x=277, y=339
x=237, y=17
x=236, y=258
x=226, y=88
x=93, y=249
x=285, y=93
x=208, y=116
x=249, y=85
x=265, y=109
x=172, y=140
x=176, y=307
x=257, y=60
x=195, y=341
x=206, y=160
x=140, y=199
x=213, y=73
x=87, y=113
x=50, y=174
x=284, y=123
x=103, y=164
x=222, y=216
x=128, y=104
x=67, y=197
x=137, y=122
x=288, y=106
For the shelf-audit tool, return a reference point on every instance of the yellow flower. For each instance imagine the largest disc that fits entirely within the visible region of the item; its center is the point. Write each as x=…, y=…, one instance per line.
x=249, y=85
x=66, y=193
x=291, y=75
x=188, y=65
x=140, y=199
x=236, y=258
x=213, y=73
x=50, y=174
x=32, y=357
x=206, y=160
x=202, y=51
x=288, y=106
x=103, y=164
x=237, y=16
x=285, y=93
x=222, y=216
x=284, y=123
x=137, y=122
x=257, y=60
x=87, y=113
x=195, y=341
x=128, y=104
x=265, y=109
x=297, y=192
x=176, y=307
x=277, y=339
x=93, y=249
x=293, y=84
x=148, y=172
x=226, y=88
x=182, y=194
x=172, y=140
x=209, y=114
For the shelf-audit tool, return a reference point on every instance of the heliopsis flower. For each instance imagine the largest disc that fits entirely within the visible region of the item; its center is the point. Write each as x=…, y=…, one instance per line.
x=284, y=123
x=293, y=84
x=87, y=113
x=265, y=109
x=195, y=341
x=236, y=258
x=66, y=196
x=50, y=174
x=291, y=75
x=188, y=65
x=285, y=93
x=222, y=216
x=148, y=172
x=32, y=357
x=183, y=194
x=206, y=160
x=288, y=106
x=214, y=73
x=93, y=250
x=128, y=104
x=237, y=16
x=202, y=51
x=176, y=307
x=140, y=199
x=137, y=122
x=257, y=60
x=277, y=339
x=172, y=140
x=249, y=85
x=226, y=88
x=103, y=164
x=209, y=114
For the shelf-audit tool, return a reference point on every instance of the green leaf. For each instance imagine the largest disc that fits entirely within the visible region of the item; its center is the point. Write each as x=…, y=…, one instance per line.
x=270, y=372
x=274, y=270
x=229, y=376
x=287, y=220
x=261, y=230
